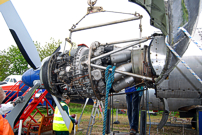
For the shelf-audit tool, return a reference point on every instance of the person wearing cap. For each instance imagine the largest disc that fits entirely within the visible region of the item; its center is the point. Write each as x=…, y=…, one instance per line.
x=59, y=125
x=5, y=128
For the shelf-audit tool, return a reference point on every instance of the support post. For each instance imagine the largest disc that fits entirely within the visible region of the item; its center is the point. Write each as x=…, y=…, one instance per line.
x=143, y=122
x=20, y=127
x=108, y=121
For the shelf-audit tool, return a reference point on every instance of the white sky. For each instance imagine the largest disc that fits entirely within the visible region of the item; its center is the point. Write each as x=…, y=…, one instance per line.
x=47, y=18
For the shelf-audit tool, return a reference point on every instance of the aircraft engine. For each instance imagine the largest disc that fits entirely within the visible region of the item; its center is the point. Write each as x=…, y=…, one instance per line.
x=81, y=71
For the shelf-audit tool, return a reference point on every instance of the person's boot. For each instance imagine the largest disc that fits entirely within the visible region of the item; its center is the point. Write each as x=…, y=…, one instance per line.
x=132, y=131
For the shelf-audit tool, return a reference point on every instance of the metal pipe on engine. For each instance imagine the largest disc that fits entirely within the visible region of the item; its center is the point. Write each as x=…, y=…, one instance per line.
x=105, y=24
x=120, y=49
x=122, y=72
x=122, y=41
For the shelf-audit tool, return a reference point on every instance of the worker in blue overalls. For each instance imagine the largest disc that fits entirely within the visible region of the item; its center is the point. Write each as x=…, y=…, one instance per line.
x=133, y=100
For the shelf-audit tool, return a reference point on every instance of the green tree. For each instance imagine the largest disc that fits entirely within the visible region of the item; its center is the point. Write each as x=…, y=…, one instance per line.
x=48, y=48
x=4, y=65
x=13, y=62
x=17, y=64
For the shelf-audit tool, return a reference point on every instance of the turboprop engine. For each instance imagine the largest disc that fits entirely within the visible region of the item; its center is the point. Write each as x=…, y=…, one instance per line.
x=81, y=71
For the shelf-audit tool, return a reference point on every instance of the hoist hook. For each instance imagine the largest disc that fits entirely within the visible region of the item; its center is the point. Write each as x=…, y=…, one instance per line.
x=90, y=3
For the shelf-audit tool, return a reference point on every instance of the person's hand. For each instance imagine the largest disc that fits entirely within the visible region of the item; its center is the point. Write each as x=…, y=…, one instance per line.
x=14, y=103
x=76, y=122
x=19, y=99
x=73, y=115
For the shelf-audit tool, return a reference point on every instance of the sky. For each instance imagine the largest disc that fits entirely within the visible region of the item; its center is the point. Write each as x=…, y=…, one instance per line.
x=47, y=18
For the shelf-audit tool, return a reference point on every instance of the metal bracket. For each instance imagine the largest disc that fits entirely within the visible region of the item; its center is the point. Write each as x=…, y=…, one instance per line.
x=94, y=9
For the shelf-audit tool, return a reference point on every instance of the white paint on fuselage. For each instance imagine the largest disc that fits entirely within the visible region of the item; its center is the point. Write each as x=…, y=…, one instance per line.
x=12, y=79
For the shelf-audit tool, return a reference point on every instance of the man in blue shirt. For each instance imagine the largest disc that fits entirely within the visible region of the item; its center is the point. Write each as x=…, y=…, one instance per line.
x=133, y=100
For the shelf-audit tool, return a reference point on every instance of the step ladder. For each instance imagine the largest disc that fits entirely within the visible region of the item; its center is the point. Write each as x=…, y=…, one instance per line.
x=98, y=105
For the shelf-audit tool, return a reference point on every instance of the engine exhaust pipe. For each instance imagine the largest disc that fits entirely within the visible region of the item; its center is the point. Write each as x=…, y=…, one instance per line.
x=126, y=67
x=122, y=84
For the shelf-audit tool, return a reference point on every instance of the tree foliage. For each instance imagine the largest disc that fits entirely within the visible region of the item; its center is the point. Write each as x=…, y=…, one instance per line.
x=48, y=48
x=13, y=62
x=4, y=65
x=18, y=65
